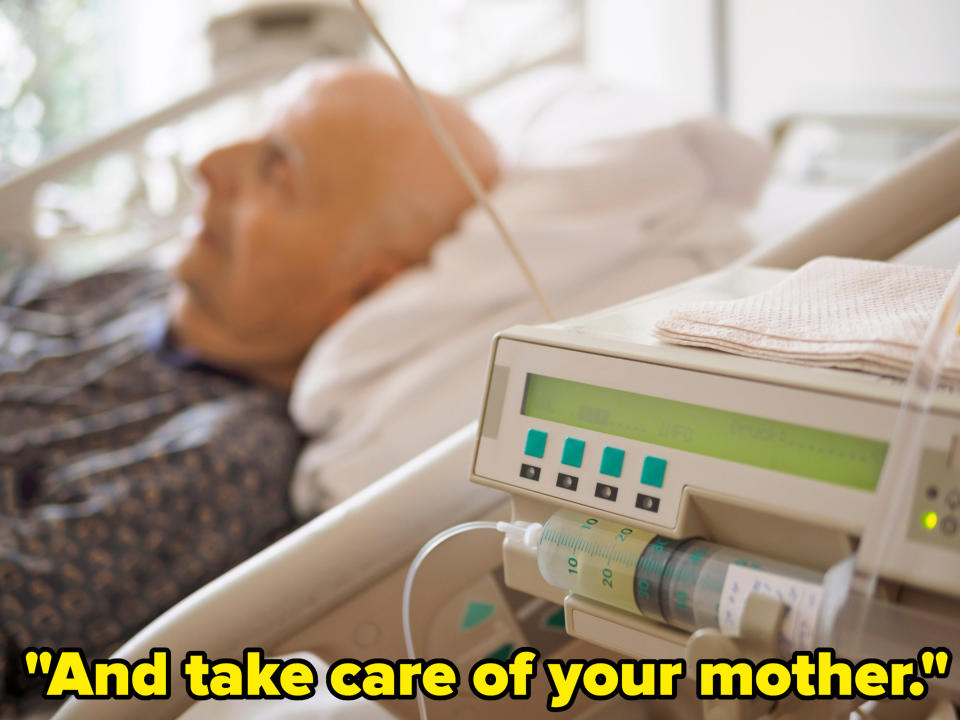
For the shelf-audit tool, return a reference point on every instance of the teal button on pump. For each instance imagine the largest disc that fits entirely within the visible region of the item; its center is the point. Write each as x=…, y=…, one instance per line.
x=653, y=470
x=612, y=461
x=536, y=443
x=572, y=452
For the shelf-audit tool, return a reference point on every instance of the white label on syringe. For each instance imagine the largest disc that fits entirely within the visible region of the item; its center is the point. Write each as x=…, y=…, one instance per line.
x=802, y=599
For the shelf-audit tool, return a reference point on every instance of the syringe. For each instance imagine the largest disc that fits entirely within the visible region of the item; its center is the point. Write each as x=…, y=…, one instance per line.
x=689, y=584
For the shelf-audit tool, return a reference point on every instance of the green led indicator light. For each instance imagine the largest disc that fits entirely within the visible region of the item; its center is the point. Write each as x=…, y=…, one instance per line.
x=930, y=520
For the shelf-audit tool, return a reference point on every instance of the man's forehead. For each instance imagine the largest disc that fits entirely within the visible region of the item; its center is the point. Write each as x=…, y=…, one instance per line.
x=316, y=102
x=334, y=113
x=311, y=126
x=299, y=124
x=328, y=143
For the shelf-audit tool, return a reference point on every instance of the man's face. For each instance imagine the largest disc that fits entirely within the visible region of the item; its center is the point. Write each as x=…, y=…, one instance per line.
x=278, y=257
x=345, y=190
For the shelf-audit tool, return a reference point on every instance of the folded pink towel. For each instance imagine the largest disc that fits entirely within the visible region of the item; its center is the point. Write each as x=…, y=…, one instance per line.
x=832, y=312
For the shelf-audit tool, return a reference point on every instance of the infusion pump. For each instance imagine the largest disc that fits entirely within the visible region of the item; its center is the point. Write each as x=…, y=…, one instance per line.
x=594, y=415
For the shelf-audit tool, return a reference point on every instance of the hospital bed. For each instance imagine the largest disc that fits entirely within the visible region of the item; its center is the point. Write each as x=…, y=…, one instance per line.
x=333, y=587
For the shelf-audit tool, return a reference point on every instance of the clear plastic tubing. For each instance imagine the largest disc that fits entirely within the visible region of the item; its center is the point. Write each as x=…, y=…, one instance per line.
x=678, y=582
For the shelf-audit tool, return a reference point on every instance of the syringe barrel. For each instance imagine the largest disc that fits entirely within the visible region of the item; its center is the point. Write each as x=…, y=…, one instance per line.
x=679, y=582
x=593, y=558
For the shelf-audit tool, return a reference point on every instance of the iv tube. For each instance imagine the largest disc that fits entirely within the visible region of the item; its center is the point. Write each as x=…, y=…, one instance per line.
x=526, y=531
x=460, y=165
x=901, y=467
x=855, y=618
x=678, y=582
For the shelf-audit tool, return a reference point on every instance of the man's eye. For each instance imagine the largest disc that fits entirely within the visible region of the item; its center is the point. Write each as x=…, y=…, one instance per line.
x=270, y=163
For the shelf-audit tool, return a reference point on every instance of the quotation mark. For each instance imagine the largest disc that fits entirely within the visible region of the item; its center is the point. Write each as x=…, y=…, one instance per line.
x=935, y=663
x=34, y=659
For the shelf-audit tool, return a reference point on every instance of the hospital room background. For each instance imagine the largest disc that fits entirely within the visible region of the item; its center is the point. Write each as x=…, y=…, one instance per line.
x=845, y=89
x=641, y=144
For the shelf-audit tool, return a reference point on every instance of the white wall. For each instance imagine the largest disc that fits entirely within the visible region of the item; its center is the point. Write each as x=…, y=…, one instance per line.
x=452, y=45
x=663, y=45
x=159, y=50
x=784, y=53
x=787, y=52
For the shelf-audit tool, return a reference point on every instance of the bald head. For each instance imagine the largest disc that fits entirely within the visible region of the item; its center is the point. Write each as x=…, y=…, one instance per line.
x=346, y=189
x=411, y=191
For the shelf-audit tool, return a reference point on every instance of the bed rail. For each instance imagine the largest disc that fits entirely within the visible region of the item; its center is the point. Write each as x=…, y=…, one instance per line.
x=251, y=47
x=885, y=219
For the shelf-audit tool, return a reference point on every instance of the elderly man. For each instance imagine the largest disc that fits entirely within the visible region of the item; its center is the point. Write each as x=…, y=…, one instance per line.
x=144, y=442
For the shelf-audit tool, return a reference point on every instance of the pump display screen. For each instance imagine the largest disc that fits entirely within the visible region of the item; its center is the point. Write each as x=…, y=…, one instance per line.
x=847, y=460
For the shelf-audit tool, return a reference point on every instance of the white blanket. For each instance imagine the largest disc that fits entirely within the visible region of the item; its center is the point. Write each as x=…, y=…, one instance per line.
x=599, y=222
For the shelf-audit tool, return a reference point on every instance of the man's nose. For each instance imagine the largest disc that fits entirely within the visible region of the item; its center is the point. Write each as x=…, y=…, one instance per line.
x=220, y=168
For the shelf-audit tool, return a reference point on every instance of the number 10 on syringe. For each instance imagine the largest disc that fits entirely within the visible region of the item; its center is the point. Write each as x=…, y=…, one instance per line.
x=593, y=559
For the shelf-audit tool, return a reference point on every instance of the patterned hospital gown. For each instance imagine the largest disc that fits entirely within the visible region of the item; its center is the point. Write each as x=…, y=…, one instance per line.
x=129, y=474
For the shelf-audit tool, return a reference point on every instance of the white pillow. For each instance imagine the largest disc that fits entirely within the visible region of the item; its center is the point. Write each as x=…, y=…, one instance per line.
x=542, y=113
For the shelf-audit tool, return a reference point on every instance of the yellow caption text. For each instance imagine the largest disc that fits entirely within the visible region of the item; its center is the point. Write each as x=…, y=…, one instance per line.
x=817, y=674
